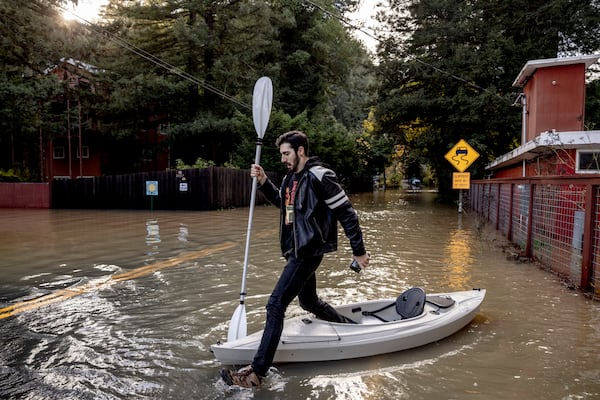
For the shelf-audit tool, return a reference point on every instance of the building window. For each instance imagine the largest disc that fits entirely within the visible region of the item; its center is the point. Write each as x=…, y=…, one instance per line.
x=588, y=161
x=58, y=152
x=85, y=150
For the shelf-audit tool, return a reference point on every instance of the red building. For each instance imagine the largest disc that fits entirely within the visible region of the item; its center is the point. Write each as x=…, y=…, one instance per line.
x=553, y=140
x=83, y=151
x=70, y=155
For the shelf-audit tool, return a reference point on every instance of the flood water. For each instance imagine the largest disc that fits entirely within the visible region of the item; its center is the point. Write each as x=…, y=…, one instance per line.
x=126, y=304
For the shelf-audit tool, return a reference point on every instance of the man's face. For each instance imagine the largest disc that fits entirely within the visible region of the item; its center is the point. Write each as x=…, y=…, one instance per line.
x=288, y=156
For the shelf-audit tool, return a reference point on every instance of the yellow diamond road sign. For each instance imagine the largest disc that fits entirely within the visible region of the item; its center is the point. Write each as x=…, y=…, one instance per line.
x=461, y=155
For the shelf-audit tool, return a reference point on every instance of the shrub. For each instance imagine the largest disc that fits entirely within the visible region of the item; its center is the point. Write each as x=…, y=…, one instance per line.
x=10, y=176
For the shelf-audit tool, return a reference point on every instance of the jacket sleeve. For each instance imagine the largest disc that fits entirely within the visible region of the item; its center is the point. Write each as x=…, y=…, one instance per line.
x=271, y=192
x=338, y=202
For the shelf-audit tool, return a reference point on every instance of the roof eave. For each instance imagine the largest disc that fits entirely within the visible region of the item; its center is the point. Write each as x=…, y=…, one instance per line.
x=531, y=66
x=547, y=142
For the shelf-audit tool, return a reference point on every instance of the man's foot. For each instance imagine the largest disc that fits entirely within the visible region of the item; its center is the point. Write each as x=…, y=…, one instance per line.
x=245, y=377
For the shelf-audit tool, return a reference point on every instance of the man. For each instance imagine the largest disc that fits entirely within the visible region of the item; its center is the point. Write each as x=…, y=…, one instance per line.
x=311, y=202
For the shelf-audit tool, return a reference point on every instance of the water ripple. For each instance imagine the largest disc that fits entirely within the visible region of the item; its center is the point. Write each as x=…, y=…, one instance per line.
x=149, y=334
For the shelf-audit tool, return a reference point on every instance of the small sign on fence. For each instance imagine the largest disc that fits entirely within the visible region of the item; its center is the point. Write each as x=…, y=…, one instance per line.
x=151, y=188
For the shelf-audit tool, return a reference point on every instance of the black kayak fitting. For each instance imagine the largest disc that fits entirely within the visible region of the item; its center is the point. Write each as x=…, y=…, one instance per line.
x=409, y=304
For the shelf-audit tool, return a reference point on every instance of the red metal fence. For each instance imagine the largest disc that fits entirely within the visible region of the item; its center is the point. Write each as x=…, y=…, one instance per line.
x=24, y=195
x=555, y=221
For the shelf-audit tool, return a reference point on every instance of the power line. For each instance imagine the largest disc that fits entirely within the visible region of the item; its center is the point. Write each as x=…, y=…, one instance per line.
x=156, y=60
x=177, y=71
x=414, y=58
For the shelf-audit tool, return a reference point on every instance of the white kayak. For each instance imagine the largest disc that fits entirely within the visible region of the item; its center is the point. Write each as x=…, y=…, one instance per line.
x=379, y=329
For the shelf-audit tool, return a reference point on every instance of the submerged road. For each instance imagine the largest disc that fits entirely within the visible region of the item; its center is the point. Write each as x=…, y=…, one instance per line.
x=99, y=304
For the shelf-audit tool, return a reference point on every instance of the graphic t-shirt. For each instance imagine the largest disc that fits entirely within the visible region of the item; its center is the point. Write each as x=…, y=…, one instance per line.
x=290, y=195
x=288, y=221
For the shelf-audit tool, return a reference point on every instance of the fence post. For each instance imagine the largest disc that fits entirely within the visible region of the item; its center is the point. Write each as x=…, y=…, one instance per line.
x=528, y=251
x=489, y=202
x=510, y=212
x=588, y=234
x=498, y=199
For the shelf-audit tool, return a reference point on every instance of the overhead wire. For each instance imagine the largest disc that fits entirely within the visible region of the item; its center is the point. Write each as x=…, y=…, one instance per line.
x=154, y=59
x=414, y=58
x=178, y=71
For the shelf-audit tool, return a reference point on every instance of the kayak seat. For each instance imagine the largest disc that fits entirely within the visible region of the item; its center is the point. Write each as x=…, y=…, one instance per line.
x=409, y=304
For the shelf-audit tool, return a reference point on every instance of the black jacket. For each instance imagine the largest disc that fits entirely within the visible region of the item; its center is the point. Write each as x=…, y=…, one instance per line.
x=319, y=203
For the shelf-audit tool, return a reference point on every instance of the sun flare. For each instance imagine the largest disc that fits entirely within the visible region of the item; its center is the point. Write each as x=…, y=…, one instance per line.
x=87, y=10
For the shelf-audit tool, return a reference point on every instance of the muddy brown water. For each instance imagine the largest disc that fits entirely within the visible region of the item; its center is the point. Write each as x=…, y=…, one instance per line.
x=132, y=300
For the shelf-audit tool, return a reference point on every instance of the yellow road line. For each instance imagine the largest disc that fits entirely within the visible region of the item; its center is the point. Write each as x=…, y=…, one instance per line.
x=64, y=294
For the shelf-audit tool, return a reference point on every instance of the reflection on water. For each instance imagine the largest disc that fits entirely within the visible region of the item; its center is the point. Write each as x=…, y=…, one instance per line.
x=183, y=233
x=152, y=238
x=458, y=259
x=125, y=305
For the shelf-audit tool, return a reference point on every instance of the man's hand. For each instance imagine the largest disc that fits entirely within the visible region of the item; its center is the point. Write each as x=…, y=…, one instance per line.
x=258, y=172
x=363, y=260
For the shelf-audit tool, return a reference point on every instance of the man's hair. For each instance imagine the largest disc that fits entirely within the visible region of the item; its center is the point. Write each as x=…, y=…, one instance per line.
x=295, y=139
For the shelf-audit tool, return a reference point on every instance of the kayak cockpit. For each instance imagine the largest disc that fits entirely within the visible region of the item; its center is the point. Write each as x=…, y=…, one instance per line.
x=413, y=303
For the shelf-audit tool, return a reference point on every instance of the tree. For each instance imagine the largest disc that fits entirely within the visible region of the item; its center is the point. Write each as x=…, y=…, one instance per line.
x=317, y=69
x=35, y=37
x=186, y=69
x=592, y=105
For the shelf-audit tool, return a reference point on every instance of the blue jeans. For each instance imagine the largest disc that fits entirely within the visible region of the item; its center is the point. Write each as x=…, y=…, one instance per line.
x=297, y=279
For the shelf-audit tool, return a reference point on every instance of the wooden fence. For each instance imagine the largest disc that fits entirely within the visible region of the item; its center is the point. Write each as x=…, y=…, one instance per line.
x=191, y=189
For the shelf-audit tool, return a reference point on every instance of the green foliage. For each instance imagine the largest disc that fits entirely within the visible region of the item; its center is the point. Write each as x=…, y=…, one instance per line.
x=315, y=65
x=200, y=163
x=34, y=39
x=279, y=123
x=448, y=66
x=592, y=106
x=328, y=140
x=231, y=165
x=10, y=176
x=394, y=180
x=186, y=68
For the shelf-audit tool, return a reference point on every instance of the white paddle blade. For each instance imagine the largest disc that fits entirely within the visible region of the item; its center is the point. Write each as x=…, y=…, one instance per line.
x=237, y=325
x=262, y=100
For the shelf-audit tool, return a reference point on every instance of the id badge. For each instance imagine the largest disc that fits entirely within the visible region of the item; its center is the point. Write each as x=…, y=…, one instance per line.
x=289, y=214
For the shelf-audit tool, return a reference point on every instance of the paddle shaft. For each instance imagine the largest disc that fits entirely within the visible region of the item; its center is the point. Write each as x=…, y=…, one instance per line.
x=262, y=100
x=238, y=323
x=250, y=219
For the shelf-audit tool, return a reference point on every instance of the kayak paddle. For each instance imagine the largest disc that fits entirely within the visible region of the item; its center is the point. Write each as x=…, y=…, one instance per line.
x=262, y=99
